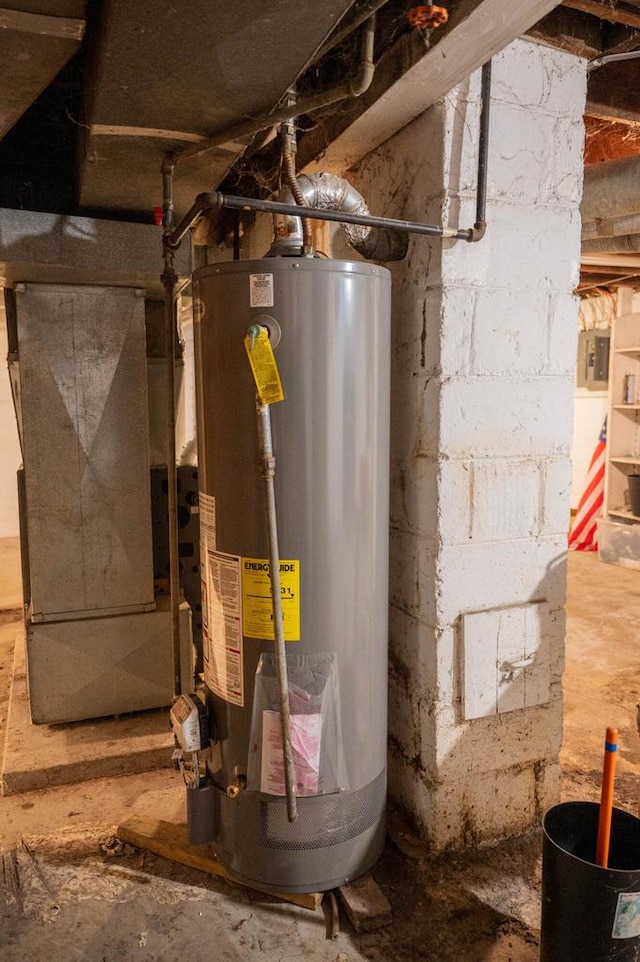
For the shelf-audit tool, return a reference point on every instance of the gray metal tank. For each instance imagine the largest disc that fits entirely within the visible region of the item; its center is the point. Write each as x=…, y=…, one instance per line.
x=329, y=324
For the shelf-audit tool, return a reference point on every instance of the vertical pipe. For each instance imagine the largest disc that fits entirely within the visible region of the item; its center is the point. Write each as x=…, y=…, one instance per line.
x=288, y=139
x=480, y=225
x=268, y=472
x=172, y=481
x=169, y=279
x=606, y=800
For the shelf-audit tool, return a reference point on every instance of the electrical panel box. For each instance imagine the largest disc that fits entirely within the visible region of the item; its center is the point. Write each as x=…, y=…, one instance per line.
x=593, y=359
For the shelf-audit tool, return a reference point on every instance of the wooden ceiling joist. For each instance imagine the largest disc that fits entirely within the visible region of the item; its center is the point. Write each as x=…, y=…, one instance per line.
x=605, y=10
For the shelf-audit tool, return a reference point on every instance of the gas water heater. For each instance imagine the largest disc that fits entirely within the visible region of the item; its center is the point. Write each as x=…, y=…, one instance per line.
x=328, y=325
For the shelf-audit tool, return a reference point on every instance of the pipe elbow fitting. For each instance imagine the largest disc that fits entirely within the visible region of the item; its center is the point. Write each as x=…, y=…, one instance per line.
x=363, y=81
x=477, y=232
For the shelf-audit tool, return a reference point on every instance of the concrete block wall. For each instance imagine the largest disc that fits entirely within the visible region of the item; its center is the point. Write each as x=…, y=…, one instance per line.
x=484, y=346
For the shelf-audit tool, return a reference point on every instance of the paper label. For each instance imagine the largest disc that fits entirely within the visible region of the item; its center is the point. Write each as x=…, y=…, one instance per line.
x=207, y=505
x=261, y=290
x=222, y=626
x=257, y=605
x=264, y=367
x=304, y=733
x=626, y=924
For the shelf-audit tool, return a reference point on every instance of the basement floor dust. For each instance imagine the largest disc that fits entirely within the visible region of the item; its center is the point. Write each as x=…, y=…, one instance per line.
x=61, y=894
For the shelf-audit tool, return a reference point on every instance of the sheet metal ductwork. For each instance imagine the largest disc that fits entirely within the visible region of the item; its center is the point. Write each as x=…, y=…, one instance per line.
x=611, y=207
x=329, y=192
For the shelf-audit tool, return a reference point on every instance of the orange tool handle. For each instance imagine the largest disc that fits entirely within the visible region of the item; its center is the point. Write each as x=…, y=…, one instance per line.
x=606, y=800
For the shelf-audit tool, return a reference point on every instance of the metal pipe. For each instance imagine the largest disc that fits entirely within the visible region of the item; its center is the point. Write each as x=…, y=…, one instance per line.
x=340, y=217
x=214, y=200
x=208, y=201
x=288, y=138
x=268, y=463
x=480, y=226
x=472, y=235
x=170, y=280
x=290, y=172
x=335, y=38
x=351, y=88
x=611, y=58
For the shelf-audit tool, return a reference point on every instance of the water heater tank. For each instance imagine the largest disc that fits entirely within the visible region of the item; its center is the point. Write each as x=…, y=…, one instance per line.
x=328, y=323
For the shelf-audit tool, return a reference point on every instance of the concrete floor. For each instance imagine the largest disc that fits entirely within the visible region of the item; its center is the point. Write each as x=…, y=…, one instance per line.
x=60, y=893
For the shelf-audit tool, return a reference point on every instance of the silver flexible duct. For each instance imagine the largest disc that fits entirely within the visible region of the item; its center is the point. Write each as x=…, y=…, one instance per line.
x=330, y=192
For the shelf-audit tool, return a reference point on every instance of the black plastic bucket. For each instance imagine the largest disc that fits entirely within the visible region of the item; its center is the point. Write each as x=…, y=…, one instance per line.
x=634, y=493
x=589, y=913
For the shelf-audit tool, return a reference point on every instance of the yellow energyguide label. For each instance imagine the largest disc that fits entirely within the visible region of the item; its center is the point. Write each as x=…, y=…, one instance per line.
x=257, y=608
x=264, y=367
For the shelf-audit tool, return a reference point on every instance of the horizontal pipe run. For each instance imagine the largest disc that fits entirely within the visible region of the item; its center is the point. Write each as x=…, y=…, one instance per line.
x=611, y=58
x=214, y=200
x=341, y=217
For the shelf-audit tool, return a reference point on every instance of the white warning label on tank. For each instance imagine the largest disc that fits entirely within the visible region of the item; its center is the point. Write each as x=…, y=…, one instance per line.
x=261, y=290
x=222, y=626
x=626, y=924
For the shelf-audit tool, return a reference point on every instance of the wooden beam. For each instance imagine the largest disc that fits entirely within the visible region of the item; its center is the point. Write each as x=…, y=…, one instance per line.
x=612, y=91
x=605, y=10
x=569, y=30
x=410, y=78
x=589, y=283
x=600, y=271
x=41, y=25
x=171, y=841
x=623, y=262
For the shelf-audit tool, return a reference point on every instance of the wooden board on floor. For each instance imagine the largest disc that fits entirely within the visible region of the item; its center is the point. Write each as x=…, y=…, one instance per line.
x=364, y=903
x=171, y=841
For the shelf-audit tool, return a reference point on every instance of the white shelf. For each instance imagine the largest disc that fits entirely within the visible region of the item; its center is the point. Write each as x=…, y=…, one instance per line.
x=619, y=532
x=623, y=513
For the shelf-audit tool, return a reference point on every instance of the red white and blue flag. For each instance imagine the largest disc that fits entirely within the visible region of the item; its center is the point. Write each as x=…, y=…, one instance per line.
x=584, y=533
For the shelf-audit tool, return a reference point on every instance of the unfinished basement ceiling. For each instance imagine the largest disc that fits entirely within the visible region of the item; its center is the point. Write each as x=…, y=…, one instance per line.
x=168, y=74
x=156, y=75
x=209, y=65
x=37, y=39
